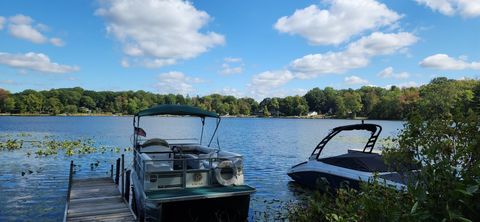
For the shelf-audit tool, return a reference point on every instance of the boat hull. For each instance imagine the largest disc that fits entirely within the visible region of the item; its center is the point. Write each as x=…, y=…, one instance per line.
x=318, y=175
x=220, y=203
x=215, y=209
x=322, y=181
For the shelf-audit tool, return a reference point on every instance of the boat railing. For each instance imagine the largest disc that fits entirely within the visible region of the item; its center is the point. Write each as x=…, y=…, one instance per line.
x=187, y=172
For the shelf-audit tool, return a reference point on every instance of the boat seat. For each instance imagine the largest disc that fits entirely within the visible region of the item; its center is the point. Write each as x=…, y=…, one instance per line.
x=157, y=166
x=155, y=145
x=155, y=141
x=193, y=162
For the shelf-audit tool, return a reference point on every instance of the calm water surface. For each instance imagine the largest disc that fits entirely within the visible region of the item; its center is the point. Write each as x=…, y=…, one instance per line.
x=34, y=188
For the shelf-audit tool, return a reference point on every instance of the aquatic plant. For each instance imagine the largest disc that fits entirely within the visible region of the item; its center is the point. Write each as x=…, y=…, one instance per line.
x=11, y=144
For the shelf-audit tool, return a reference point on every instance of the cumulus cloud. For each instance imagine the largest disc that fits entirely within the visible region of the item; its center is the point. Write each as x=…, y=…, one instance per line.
x=230, y=92
x=231, y=66
x=21, y=27
x=389, y=73
x=163, y=31
x=266, y=83
x=465, y=8
x=356, y=55
x=344, y=19
x=176, y=83
x=227, y=70
x=445, y=62
x=2, y=22
x=24, y=27
x=35, y=62
x=355, y=80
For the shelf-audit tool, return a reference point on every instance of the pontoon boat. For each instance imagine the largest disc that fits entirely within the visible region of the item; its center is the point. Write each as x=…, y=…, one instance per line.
x=178, y=180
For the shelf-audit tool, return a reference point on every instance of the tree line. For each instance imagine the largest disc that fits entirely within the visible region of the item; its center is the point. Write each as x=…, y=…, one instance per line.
x=368, y=101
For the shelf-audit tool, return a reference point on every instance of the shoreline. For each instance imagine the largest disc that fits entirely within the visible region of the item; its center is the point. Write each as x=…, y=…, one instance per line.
x=226, y=116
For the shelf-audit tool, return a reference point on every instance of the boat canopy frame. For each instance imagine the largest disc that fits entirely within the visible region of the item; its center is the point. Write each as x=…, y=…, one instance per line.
x=175, y=110
x=373, y=128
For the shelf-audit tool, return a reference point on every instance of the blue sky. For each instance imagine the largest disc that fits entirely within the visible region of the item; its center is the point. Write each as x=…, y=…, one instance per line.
x=243, y=48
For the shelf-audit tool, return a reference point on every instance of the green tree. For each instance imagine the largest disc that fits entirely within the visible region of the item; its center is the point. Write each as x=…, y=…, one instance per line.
x=339, y=107
x=315, y=99
x=53, y=106
x=70, y=109
x=265, y=111
x=88, y=102
x=330, y=100
x=353, y=103
x=8, y=105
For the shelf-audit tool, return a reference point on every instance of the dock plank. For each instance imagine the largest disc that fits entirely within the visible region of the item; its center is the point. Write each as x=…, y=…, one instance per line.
x=97, y=199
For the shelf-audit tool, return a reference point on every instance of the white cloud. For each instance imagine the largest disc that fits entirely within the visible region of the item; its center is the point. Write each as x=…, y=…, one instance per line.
x=57, y=42
x=228, y=70
x=176, y=83
x=163, y=31
x=466, y=8
x=232, y=59
x=36, y=62
x=356, y=55
x=445, y=62
x=231, y=66
x=389, y=73
x=344, y=19
x=2, y=22
x=22, y=27
x=230, y=92
x=272, y=79
x=157, y=63
x=266, y=83
x=355, y=80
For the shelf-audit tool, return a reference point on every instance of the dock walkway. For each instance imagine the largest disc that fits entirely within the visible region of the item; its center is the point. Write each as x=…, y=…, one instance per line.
x=97, y=199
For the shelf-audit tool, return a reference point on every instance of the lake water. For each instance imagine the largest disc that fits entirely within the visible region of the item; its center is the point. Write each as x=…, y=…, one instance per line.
x=34, y=188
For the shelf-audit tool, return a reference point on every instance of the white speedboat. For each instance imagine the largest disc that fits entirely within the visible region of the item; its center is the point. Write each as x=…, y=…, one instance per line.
x=350, y=168
x=186, y=179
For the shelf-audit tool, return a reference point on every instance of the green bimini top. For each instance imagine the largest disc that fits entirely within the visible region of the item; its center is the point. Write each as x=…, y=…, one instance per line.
x=179, y=110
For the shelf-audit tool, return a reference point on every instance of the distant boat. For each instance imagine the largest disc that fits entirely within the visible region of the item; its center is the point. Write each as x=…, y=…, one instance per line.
x=349, y=168
x=184, y=180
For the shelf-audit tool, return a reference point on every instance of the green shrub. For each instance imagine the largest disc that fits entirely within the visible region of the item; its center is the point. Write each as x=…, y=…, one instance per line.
x=445, y=189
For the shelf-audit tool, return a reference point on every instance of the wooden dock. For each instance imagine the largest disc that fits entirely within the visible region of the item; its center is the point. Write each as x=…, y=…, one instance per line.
x=96, y=199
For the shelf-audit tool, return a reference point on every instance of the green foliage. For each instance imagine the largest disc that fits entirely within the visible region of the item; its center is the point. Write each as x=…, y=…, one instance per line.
x=368, y=101
x=442, y=136
x=11, y=144
x=373, y=202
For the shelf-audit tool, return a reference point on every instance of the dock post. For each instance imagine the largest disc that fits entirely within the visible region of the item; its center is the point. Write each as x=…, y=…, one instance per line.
x=117, y=175
x=123, y=175
x=69, y=189
x=111, y=171
x=127, y=185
